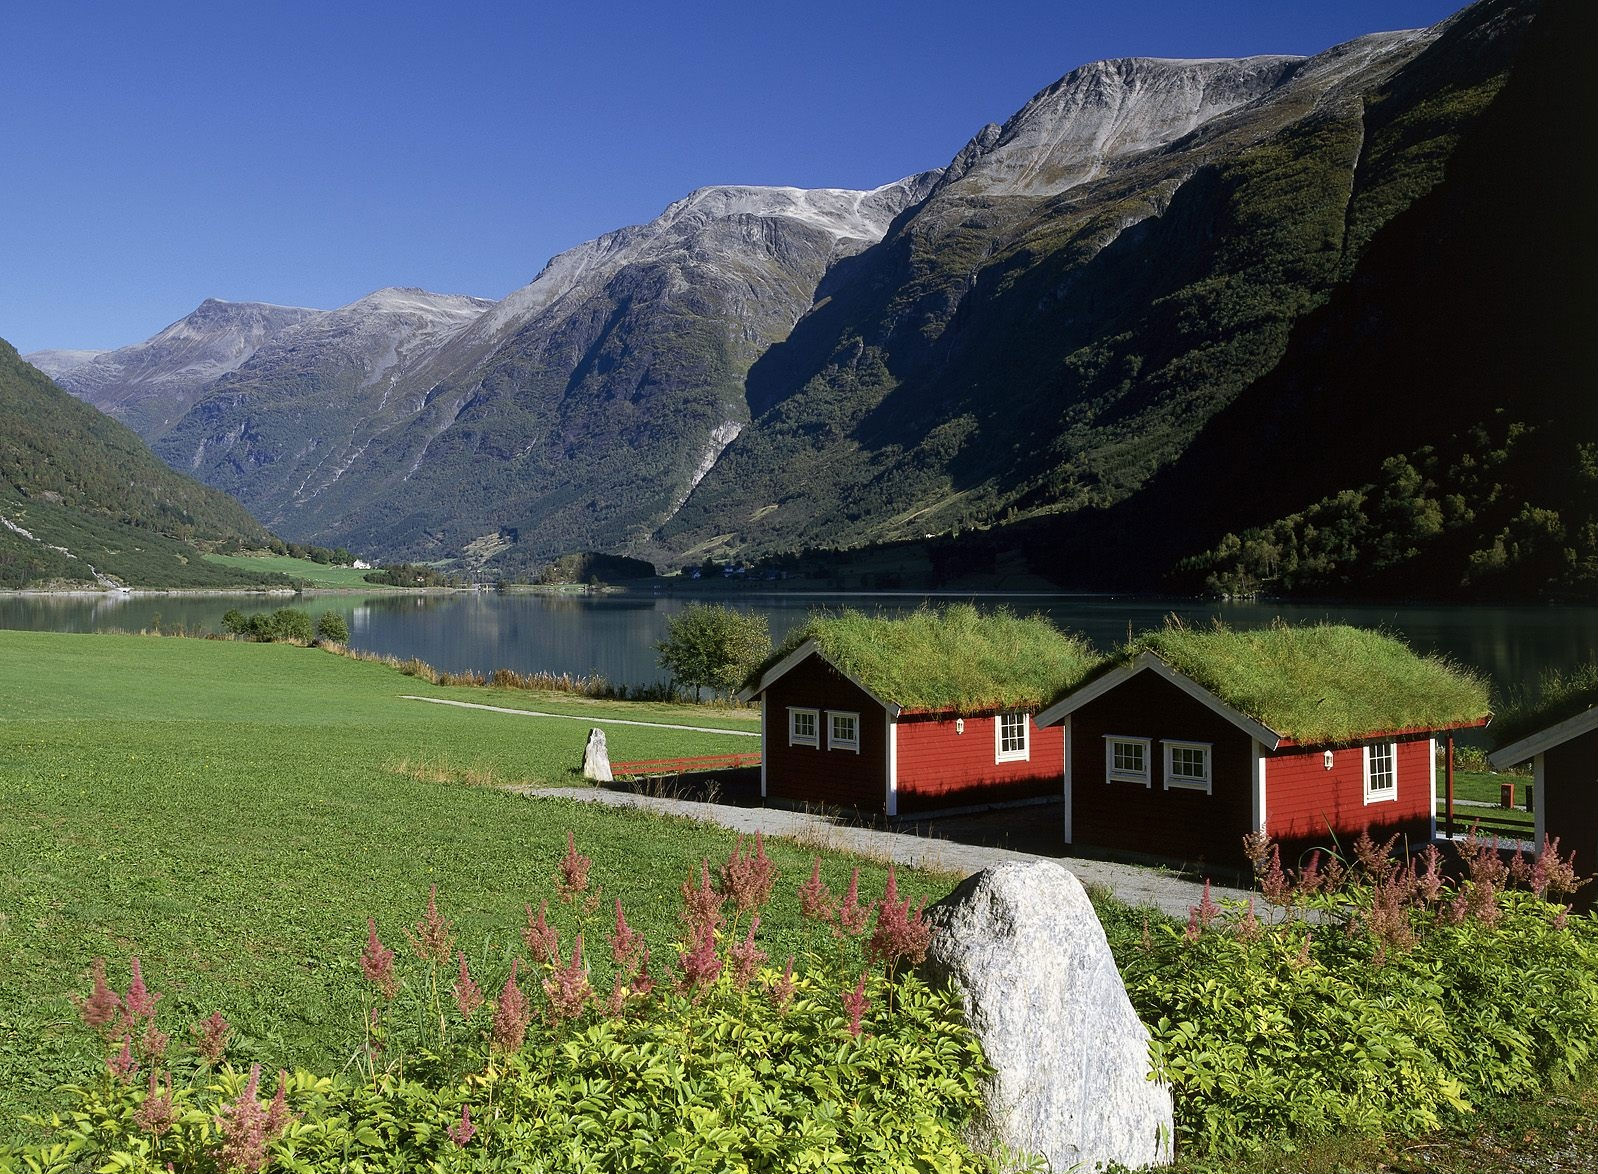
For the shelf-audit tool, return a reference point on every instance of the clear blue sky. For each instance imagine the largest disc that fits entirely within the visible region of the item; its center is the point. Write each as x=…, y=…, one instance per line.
x=155, y=154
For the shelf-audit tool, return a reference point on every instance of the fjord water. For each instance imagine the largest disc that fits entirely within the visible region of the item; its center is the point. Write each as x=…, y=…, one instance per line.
x=614, y=635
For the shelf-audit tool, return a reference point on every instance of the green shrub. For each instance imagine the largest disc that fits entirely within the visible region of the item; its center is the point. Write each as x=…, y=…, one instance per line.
x=702, y=1058
x=332, y=629
x=235, y=622
x=1393, y=1005
x=286, y=623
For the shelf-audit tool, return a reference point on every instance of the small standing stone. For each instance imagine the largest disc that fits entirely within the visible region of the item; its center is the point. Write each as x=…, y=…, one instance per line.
x=1042, y=992
x=596, y=758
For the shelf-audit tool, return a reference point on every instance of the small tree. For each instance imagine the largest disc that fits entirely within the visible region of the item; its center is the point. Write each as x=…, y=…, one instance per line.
x=715, y=646
x=235, y=622
x=332, y=629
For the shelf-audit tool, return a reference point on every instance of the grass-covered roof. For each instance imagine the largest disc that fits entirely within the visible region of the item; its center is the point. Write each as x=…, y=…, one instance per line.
x=1322, y=682
x=1560, y=696
x=954, y=658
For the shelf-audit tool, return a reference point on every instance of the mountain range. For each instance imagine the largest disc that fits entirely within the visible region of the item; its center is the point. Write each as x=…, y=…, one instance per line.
x=1089, y=319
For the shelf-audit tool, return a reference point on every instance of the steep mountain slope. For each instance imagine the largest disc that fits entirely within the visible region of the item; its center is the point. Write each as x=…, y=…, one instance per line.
x=82, y=500
x=574, y=414
x=1088, y=286
x=150, y=384
x=297, y=415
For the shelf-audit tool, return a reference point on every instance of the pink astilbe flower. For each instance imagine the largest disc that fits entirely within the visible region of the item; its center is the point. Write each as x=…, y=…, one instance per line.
x=211, y=1038
x=100, y=1009
x=643, y=983
x=1428, y=882
x=123, y=1065
x=377, y=962
x=1376, y=860
x=1273, y=881
x=539, y=936
x=1389, y=917
x=432, y=938
x=468, y=995
x=815, y=901
x=782, y=989
x=277, y=1113
x=701, y=903
x=700, y=965
x=153, y=1042
x=902, y=934
x=1554, y=877
x=572, y=875
x=1562, y=918
x=1195, y=928
x=747, y=879
x=510, y=1015
x=1303, y=949
x=1247, y=927
x=463, y=1130
x=625, y=941
x=567, y=989
x=1309, y=880
x=853, y=917
x=617, y=999
x=157, y=1112
x=855, y=1004
x=242, y=1125
x=746, y=957
x=1206, y=911
x=139, y=1003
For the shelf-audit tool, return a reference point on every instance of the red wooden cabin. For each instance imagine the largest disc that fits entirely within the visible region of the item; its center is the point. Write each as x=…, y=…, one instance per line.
x=1159, y=766
x=1564, y=758
x=865, y=739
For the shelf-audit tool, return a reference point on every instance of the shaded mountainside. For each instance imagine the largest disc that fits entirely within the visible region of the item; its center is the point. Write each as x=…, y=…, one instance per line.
x=1017, y=350
x=149, y=385
x=83, y=501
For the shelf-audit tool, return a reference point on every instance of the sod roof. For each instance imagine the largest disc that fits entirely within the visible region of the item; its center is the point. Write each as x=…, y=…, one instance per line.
x=1561, y=696
x=952, y=658
x=1324, y=682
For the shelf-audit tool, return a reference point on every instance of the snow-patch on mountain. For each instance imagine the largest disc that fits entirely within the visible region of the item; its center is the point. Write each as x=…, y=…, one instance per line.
x=54, y=362
x=151, y=384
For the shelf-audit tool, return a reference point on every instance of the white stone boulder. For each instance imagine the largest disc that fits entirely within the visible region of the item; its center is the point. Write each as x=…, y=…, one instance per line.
x=596, y=758
x=1070, y=1056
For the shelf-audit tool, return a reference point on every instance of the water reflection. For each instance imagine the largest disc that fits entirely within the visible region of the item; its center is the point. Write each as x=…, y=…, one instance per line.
x=615, y=635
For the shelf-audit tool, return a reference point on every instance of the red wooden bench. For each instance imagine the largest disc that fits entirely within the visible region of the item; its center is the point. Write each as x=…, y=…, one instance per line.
x=677, y=766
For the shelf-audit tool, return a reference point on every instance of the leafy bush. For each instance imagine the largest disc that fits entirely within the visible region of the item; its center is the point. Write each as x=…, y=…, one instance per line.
x=718, y=1062
x=332, y=628
x=286, y=623
x=715, y=646
x=1389, y=1000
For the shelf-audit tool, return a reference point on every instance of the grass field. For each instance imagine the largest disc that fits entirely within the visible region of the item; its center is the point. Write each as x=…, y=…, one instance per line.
x=233, y=812
x=1482, y=787
x=316, y=574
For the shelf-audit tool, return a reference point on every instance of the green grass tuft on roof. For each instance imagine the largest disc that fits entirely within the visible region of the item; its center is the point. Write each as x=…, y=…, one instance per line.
x=954, y=657
x=1323, y=682
x=1559, y=696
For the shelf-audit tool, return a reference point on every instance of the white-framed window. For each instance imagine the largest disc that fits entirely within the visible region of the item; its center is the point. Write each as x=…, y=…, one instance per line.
x=1381, y=772
x=1010, y=739
x=843, y=730
x=1187, y=765
x=804, y=727
x=1126, y=760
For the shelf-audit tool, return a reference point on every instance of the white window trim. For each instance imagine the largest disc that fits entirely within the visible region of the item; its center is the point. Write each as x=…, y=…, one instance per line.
x=1022, y=755
x=794, y=737
x=1111, y=775
x=1387, y=794
x=1204, y=784
x=840, y=743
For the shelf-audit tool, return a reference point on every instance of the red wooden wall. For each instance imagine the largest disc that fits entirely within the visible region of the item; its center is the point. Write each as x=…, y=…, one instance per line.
x=1307, y=805
x=1177, y=824
x=940, y=769
x=1569, y=795
x=837, y=778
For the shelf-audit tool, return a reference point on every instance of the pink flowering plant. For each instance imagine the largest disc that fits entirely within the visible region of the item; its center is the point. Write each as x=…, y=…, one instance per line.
x=519, y=1056
x=1366, y=990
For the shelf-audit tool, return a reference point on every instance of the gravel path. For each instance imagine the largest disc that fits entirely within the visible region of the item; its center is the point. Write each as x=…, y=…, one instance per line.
x=1130, y=883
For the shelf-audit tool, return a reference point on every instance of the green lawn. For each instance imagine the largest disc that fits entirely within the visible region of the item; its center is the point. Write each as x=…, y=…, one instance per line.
x=233, y=812
x=316, y=574
x=1482, y=786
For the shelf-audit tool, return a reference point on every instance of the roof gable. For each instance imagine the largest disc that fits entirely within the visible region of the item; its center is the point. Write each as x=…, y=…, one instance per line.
x=1544, y=739
x=792, y=661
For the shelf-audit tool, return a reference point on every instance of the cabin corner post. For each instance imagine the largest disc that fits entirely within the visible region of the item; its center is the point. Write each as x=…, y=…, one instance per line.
x=1258, y=811
x=1067, y=724
x=891, y=800
x=765, y=726
x=1448, y=786
x=1431, y=758
x=1539, y=803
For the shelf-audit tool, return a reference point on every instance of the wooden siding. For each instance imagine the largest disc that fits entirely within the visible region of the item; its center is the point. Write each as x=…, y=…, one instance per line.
x=940, y=769
x=1307, y=805
x=1569, y=796
x=838, y=778
x=1184, y=825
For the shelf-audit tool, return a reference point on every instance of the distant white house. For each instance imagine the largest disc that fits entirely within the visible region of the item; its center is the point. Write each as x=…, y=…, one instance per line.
x=361, y=564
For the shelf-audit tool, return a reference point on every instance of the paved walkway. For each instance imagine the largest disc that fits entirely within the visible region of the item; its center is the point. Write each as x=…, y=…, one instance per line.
x=591, y=719
x=1130, y=883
